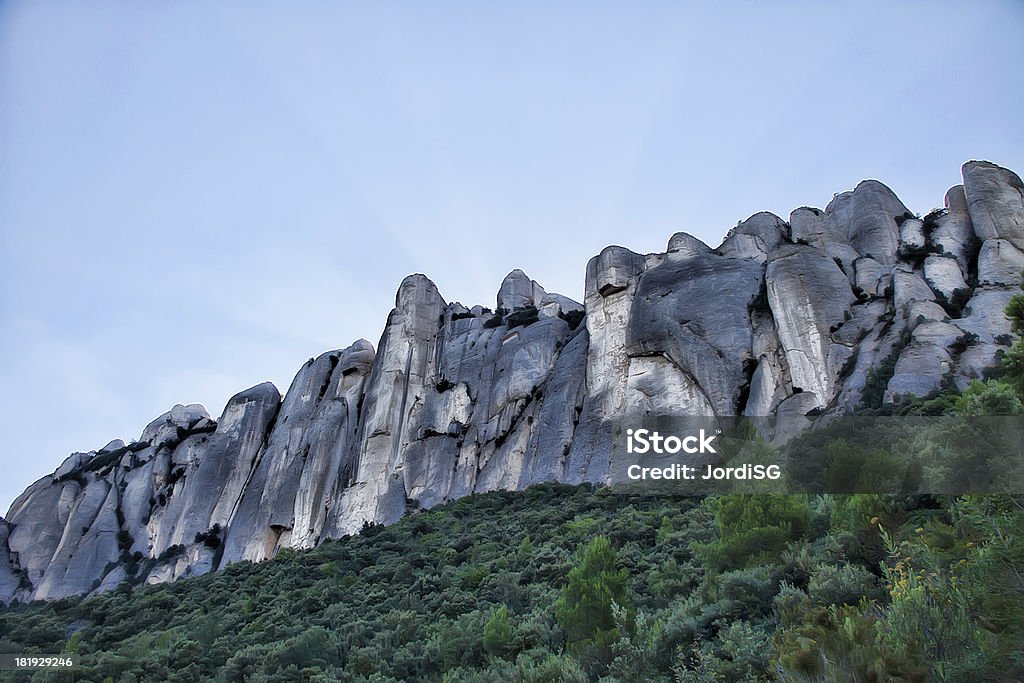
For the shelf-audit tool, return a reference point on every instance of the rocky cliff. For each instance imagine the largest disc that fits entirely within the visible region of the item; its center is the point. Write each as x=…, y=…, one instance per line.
x=781, y=318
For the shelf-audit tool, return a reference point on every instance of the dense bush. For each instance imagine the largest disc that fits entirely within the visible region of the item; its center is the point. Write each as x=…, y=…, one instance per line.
x=522, y=317
x=570, y=583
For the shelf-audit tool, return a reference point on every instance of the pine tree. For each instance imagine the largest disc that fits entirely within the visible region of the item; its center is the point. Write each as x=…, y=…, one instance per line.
x=585, y=608
x=1013, y=360
x=498, y=633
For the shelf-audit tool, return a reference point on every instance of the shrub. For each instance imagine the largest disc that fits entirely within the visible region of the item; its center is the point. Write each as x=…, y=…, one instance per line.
x=754, y=528
x=574, y=318
x=522, y=317
x=989, y=398
x=929, y=615
x=497, y=638
x=900, y=220
x=845, y=584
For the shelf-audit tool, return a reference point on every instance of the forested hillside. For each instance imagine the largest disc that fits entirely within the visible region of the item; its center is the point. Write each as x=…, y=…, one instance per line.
x=561, y=583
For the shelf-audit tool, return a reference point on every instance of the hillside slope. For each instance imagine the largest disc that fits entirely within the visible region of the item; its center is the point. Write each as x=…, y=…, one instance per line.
x=491, y=587
x=781, y=318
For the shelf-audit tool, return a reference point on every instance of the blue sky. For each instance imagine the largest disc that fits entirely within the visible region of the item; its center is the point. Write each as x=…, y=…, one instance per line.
x=197, y=198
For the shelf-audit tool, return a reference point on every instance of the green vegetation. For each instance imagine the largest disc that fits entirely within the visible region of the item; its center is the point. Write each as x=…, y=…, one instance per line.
x=559, y=583
x=595, y=586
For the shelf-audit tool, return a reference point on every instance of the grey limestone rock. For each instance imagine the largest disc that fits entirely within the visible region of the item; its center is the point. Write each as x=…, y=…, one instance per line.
x=683, y=245
x=519, y=291
x=37, y=521
x=923, y=311
x=984, y=315
x=909, y=287
x=207, y=473
x=754, y=238
x=74, y=462
x=944, y=276
x=872, y=229
x=919, y=371
x=673, y=321
x=812, y=226
x=938, y=333
x=398, y=382
x=872, y=278
x=614, y=269
x=165, y=428
x=1000, y=263
x=912, y=237
x=112, y=445
x=810, y=297
x=9, y=578
x=864, y=218
x=562, y=402
x=973, y=362
x=87, y=545
x=781, y=319
x=111, y=581
x=995, y=200
x=953, y=232
x=555, y=305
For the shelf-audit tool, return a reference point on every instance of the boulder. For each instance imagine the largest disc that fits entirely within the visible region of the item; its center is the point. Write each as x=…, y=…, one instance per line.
x=943, y=275
x=554, y=305
x=974, y=363
x=985, y=315
x=683, y=245
x=923, y=311
x=73, y=463
x=871, y=277
x=940, y=334
x=952, y=233
x=1000, y=264
x=872, y=229
x=920, y=370
x=909, y=287
x=166, y=430
x=519, y=291
x=612, y=270
x=912, y=238
x=754, y=238
x=995, y=201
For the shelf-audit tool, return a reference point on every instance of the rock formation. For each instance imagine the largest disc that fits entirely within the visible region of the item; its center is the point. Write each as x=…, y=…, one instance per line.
x=782, y=318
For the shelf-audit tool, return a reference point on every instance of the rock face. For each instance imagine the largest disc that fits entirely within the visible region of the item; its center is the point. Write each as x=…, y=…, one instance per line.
x=995, y=201
x=781, y=318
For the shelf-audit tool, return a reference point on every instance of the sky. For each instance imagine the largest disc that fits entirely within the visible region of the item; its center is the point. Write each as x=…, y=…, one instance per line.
x=197, y=197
